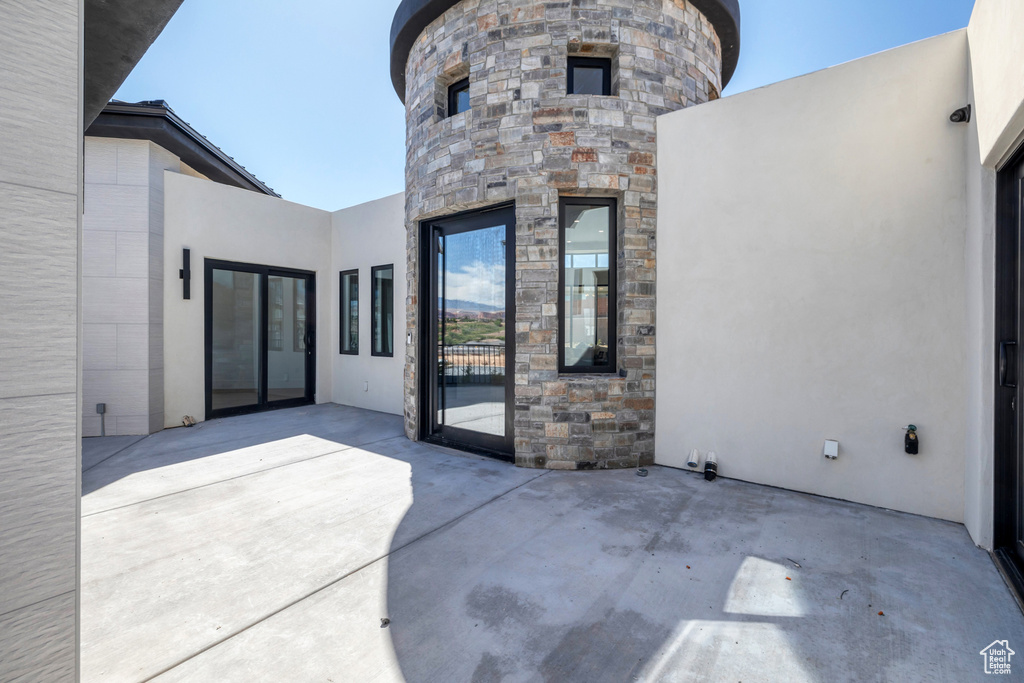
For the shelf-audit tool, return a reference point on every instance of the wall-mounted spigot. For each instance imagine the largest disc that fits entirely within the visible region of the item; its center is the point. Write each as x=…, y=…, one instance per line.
x=911, y=443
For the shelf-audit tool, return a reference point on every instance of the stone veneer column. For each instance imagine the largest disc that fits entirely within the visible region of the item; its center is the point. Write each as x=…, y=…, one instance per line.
x=525, y=140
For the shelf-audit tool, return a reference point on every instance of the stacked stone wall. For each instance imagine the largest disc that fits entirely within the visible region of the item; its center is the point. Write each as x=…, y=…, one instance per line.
x=526, y=141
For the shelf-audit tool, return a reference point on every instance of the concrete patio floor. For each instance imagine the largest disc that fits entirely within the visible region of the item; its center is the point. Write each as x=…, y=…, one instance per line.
x=269, y=548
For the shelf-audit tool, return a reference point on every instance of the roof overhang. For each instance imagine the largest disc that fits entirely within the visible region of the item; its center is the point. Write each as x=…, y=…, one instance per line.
x=117, y=34
x=415, y=15
x=156, y=122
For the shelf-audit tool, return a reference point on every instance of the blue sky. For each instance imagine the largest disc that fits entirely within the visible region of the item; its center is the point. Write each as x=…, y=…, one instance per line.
x=300, y=92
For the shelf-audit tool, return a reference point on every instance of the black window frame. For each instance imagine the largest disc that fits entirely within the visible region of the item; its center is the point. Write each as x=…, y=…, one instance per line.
x=344, y=312
x=613, y=285
x=373, y=312
x=605, y=63
x=453, y=96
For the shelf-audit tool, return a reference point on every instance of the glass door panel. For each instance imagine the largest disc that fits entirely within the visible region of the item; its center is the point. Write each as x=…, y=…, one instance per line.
x=286, y=341
x=236, y=329
x=472, y=333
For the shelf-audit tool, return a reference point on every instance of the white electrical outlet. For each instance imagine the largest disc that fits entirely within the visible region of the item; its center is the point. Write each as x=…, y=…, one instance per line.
x=831, y=449
x=366, y=386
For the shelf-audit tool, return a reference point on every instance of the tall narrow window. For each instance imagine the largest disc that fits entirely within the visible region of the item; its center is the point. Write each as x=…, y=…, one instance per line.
x=589, y=76
x=350, y=312
x=382, y=283
x=458, y=97
x=587, y=308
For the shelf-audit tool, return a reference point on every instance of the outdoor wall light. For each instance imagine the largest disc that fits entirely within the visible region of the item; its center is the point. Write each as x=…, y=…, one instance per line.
x=185, y=273
x=961, y=115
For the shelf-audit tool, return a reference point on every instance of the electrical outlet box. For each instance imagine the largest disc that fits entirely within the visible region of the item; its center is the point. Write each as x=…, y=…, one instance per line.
x=831, y=449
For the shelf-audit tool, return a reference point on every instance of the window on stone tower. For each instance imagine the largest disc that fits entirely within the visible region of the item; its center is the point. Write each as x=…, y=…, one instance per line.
x=458, y=97
x=590, y=76
x=586, y=283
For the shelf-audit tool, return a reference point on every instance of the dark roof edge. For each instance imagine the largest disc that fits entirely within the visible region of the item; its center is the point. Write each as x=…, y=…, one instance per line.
x=157, y=122
x=413, y=16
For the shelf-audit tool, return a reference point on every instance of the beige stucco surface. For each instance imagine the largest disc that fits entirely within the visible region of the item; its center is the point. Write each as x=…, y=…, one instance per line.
x=225, y=223
x=812, y=237
x=364, y=236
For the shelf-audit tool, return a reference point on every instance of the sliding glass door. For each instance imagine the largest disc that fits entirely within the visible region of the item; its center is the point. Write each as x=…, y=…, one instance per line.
x=260, y=338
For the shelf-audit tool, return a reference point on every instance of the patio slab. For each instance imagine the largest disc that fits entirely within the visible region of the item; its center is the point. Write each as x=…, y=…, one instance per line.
x=270, y=547
x=95, y=449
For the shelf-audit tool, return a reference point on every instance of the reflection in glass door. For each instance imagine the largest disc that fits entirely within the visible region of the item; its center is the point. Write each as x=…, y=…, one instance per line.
x=286, y=358
x=471, y=340
x=236, y=340
x=260, y=338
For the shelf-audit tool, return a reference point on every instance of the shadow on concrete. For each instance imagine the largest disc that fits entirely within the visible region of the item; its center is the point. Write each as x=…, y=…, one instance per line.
x=605, y=576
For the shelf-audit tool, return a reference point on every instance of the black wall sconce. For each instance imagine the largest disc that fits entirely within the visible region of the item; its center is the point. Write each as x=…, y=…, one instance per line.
x=961, y=115
x=186, y=274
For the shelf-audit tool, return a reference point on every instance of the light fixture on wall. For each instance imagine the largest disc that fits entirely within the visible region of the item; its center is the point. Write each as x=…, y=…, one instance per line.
x=185, y=273
x=961, y=115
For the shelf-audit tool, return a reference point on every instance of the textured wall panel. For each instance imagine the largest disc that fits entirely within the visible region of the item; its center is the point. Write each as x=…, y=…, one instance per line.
x=38, y=272
x=38, y=486
x=115, y=300
x=39, y=115
x=99, y=347
x=116, y=207
x=35, y=645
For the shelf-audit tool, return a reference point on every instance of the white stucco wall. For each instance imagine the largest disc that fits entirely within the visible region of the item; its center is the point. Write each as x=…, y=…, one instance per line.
x=371, y=234
x=996, y=91
x=979, y=463
x=997, y=58
x=811, y=252
x=226, y=223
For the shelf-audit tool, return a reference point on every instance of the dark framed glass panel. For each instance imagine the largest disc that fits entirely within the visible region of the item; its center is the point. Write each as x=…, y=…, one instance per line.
x=299, y=316
x=275, y=334
x=382, y=291
x=458, y=97
x=587, y=282
x=589, y=76
x=467, y=386
x=350, y=312
x=286, y=364
x=235, y=340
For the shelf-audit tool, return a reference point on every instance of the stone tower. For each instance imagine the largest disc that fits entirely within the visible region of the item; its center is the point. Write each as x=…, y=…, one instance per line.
x=527, y=140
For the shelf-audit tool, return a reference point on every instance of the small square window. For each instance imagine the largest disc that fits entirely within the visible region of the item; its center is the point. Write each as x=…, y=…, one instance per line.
x=590, y=76
x=458, y=97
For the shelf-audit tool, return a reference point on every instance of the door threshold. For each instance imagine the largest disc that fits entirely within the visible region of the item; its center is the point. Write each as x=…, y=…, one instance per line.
x=466, y=448
x=1011, y=575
